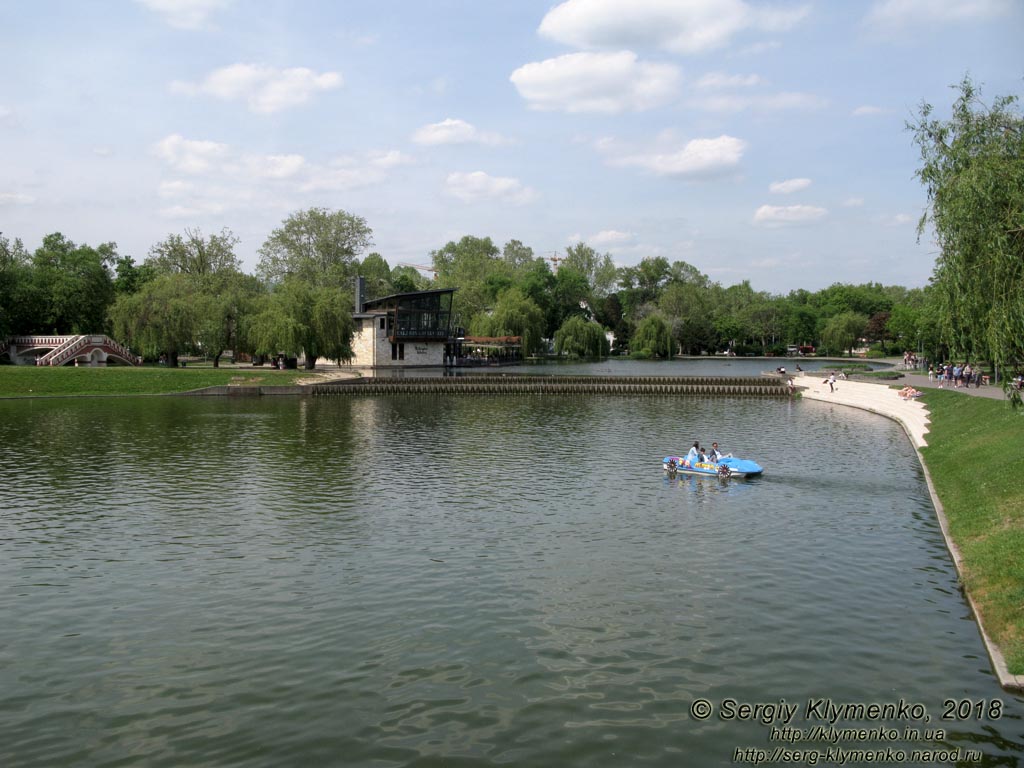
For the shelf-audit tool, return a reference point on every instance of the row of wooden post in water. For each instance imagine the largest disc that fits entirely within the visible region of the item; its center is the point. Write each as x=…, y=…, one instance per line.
x=748, y=386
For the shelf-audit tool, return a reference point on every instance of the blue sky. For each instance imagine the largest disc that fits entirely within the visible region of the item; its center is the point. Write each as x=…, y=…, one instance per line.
x=759, y=141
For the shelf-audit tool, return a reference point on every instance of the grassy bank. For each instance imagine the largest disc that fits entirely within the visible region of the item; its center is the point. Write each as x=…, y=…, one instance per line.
x=976, y=462
x=30, y=381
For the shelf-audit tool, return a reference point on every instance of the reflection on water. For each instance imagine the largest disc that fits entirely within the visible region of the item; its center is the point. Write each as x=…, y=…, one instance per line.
x=460, y=580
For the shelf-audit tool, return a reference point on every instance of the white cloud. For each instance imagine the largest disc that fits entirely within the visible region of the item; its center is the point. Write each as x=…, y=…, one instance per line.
x=691, y=27
x=778, y=216
x=232, y=179
x=789, y=186
x=476, y=186
x=853, y=202
x=610, y=237
x=596, y=82
x=698, y=158
x=185, y=14
x=15, y=198
x=353, y=171
x=898, y=220
x=894, y=15
x=867, y=111
x=276, y=166
x=189, y=156
x=455, y=131
x=386, y=159
x=265, y=89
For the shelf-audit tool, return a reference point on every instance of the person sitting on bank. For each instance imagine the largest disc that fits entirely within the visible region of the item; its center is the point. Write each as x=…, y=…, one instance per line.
x=909, y=392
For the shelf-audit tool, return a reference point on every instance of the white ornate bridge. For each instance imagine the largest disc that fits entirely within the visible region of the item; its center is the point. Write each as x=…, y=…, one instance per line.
x=83, y=349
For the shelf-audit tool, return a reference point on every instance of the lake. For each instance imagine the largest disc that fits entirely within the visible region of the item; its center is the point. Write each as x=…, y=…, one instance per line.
x=473, y=581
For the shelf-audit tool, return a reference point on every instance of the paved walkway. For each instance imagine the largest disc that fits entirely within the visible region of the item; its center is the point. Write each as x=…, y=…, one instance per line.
x=881, y=398
x=869, y=396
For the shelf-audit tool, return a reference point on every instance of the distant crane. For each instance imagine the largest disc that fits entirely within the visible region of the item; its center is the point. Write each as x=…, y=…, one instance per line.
x=420, y=267
x=554, y=258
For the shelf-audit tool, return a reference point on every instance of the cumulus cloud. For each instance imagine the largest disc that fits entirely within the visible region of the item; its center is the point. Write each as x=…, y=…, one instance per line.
x=867, y=110
x=207, y=177
x=596, y=82
x=696, y=26
x=478, y=186
x=264, y=89
x=455, y=131
x=697, y=159
x=789, y=186
x=190, y=156
x=780, y=216
x=185, y=14
x=853, y=202
x=895, y=15
x=610, y=237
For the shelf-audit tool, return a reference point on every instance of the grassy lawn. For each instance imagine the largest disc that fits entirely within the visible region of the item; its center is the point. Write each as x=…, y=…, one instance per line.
x=975, y=456
x=28, y=380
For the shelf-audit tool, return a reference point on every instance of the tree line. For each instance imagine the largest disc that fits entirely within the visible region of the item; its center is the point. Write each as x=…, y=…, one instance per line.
x=190, y=295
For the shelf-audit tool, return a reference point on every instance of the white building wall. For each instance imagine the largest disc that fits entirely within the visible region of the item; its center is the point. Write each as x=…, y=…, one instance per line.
x=371, y=347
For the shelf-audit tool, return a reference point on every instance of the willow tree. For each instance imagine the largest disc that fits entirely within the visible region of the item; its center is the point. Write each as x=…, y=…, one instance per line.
x=973, y=172
x=842, y=331
x=579, y=337
x=303, y=319
x=513, y=315
x=652, y=338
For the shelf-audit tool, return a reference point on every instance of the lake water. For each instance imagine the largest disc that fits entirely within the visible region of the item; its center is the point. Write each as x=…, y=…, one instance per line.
x=470, y=581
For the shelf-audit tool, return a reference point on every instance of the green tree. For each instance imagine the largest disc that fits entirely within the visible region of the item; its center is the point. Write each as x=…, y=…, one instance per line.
x=74, y=284
x=378, y=276
x=407, y=280
x=842, y=331
x=160, y=318
x=220, y=314
x=193, y=254
x=652, y=338
x=570, y=293
x=517, y=255
x=129, y=277
x=598, y=269
x=972, y=169
x=316, y=245
x=513, y=315
x=19, y=300
x=299, y=318
x=579, y=337
x=688, y=305
x=467, y=265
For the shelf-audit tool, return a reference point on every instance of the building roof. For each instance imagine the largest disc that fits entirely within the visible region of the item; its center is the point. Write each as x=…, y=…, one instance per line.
x=395, y=296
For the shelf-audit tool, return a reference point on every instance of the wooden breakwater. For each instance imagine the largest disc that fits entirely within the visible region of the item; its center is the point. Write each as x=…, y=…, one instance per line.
x=698, y=386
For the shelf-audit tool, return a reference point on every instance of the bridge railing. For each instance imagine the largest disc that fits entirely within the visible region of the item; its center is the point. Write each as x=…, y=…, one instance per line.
x=121, y=350
x=63, y=353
